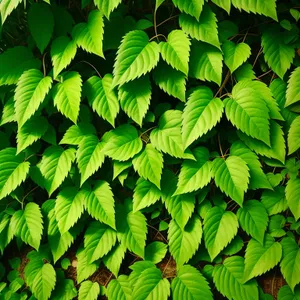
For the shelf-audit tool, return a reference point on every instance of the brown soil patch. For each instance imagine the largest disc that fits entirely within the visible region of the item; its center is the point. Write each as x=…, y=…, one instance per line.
x=168, y=267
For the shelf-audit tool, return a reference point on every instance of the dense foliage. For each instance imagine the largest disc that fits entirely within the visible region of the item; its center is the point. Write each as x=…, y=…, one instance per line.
x=149, y=149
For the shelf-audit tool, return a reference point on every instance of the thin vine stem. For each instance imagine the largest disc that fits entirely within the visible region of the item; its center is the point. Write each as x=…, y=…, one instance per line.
x=223, y=84
x=86, y=62
x=166, y=20
x=154, y=24
x=220, y=146
x=156, y=36
x=44, y=65
x=147, y=131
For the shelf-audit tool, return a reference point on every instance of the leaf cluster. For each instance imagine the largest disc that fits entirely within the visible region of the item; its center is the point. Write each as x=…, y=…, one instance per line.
x=149, y=149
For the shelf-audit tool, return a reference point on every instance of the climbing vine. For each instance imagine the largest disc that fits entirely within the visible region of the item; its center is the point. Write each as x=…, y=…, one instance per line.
x=149, y=149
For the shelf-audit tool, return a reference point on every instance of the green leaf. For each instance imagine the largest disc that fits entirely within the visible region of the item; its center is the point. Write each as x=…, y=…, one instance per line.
x=89, y=290
x=135, y=98
x=257, y=177
x=251, y=117
x=28, y=224
x=84, y=269
x=225, y=4
x=176, y=50
x=294, y=136
x=167, y=137
x=205, y=29
x=76, y=133
x=63, y=51
x=89, y=36
x=173, y=84
x=119, y=288
x=235, y=54
x=290, y=264
x=295, y=13
x=266, y=8
x=151, y=285
x=220, y=227
x=30, y=132
x=32, y=88
x=193, y=7
x=262, y=90
x=293, y=90
x=100, y=203
x=201, y=113
x=14, y=62
x=89, y=157
x=6, y=8
x=55, y=166
x=8, y=112
x=245, y=71
x=65, y=290
x=155, y=252
x=132, y=230
x=235, y=246
x=158, y=3
x=13, y=171
x=261, y=258
x=183, y=243
x=6, y=232
x=44, y=282
x=278, y=54
x=285, y=293
x=180, y=207
x=114, y=258
x=149, y=164
x=190, y=283
x=122, y=143
x=66, y=95
x=107, y=6
x=135, y=57
x=41, y=24
x=194, y=175
x=120, y=166
x=232, y=177
x=102, y=97
x=292, y=196
x=69, y=206
x=145, y=194
x=278, y=88
x=98, y=240
x=228, y=278
x=206, y=62
x=253, y=218
x=274, y=201
x=137, y=269
x=277, y=143
x=59, y=243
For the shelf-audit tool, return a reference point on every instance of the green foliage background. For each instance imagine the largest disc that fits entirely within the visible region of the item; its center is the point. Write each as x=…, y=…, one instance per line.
x=149, y=149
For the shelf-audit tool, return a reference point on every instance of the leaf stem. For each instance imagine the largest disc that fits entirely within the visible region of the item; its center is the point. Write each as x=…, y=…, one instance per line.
x=86, y=62
x=44, y=66
x=158, y=36
x=257, y=56
x=147, y=130
x=223, y=84
x=166, y=20
x=262, y=75
x=32, y=190
x=154, y=24
x=220, y=146
x=158, y=232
